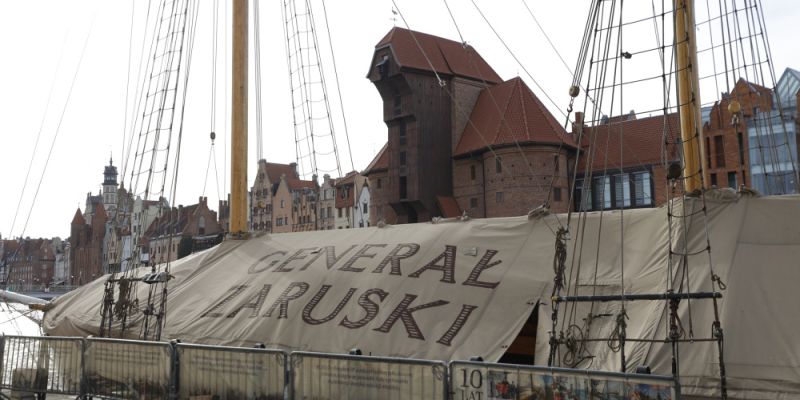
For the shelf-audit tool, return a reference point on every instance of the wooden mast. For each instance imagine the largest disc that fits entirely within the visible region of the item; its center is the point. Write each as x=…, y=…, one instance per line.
x=238, y=205
x=689, y=95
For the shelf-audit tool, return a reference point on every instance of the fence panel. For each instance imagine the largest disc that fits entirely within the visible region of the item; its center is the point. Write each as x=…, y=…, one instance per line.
x=41, y=364
x=230, y=373
x=330, y=376
x=474, y=380
x=127, y=369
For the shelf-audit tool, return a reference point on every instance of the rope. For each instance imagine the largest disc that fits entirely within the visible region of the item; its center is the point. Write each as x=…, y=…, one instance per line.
x=338, y=86
x=36, y=144
x=58, y=128
x=530, y=76
x=257, y=51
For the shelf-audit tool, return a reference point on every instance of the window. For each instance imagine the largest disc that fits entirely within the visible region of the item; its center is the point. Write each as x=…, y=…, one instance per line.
x=601, y=190
x=473, y=202
x=330, y=214
x=732, y=180
x=322, y=213
x=498, y=165
x=398, y=101
x=555, y=163
x=403, y=188
x=557, y=193
x=713, y=179
x=201, y=225
x=740, y=139
x=719, y=151
x=708, y=152
x=364, y=208
x=401, y=134
x=402, y=158
x=499, y=197
x=472, y=172
x=340, y=212
x=642, y=191
x=282, y=203
x=379, y=183
x=622, y=190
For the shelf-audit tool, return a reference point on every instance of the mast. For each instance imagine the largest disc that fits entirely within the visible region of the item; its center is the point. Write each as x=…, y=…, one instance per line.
x=689, y=95
x=238, y=210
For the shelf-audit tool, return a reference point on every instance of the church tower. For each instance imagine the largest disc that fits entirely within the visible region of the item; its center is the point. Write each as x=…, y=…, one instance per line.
x=110, y=187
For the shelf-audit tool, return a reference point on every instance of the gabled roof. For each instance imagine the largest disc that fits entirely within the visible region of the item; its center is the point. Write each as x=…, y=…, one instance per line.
x=449, y=206
x=642, y=142
x=297, y=184
x=379, y=163
x=788, y=85
x=446, y=56
x=173, y=221
x=78, y=218
x=510, y=113
x=275, y=171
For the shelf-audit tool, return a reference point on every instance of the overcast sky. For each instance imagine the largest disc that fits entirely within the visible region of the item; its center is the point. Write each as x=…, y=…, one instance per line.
x=43, y=41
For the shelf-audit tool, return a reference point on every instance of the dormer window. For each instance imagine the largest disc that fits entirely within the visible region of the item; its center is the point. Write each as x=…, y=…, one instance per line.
x=383, y=67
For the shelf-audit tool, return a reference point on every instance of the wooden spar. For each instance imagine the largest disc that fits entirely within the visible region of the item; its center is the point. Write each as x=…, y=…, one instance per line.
x=238, y=210
x=689, y=95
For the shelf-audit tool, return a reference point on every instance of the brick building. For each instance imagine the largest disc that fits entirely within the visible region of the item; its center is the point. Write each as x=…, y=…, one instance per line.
x=179, y=231
x=471, y=142
x=29, y=264
x=86, y=243
x=622, y=158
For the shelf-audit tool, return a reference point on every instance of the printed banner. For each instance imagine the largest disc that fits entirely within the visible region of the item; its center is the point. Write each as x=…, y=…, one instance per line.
x=496, y=381
x=324, y=377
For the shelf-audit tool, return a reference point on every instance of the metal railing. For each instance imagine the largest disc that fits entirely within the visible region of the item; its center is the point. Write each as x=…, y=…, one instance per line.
x=129, y=369
x=41, y=364
x=331, y=376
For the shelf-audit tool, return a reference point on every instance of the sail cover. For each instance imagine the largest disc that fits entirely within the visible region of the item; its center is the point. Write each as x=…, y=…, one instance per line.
x=453, y=289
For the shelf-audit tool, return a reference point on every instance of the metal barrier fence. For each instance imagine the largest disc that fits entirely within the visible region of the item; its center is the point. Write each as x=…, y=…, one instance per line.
x=41, y=364
x=127, y=369
x=477, y=380
x=322, y=376
x=230, y=372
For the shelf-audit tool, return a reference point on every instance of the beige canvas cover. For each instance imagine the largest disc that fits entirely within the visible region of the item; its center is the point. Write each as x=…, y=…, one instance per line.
x=455, y=289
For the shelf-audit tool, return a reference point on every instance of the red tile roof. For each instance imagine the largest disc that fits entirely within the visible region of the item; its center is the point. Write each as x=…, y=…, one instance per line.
x=297, y=184
x=509, y=113
x=642, y=142
x=446, y=56
x=275, y=171
x=78, y=218
x=379, y=163
x=449, y=206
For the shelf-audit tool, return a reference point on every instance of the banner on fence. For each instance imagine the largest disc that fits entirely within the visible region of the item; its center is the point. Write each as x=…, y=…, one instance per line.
x=38, y=364
x=230, y=372
x=127, y=368
x=324, y=376
x=475, y=381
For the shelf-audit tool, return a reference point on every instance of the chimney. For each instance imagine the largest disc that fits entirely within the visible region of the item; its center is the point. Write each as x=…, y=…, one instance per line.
x=578, y=122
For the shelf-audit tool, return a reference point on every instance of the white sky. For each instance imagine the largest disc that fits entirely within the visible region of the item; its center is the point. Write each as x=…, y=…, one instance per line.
x=42, y=41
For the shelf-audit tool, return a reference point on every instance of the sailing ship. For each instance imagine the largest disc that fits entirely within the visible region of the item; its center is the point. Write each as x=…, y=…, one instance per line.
x=462, y=287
